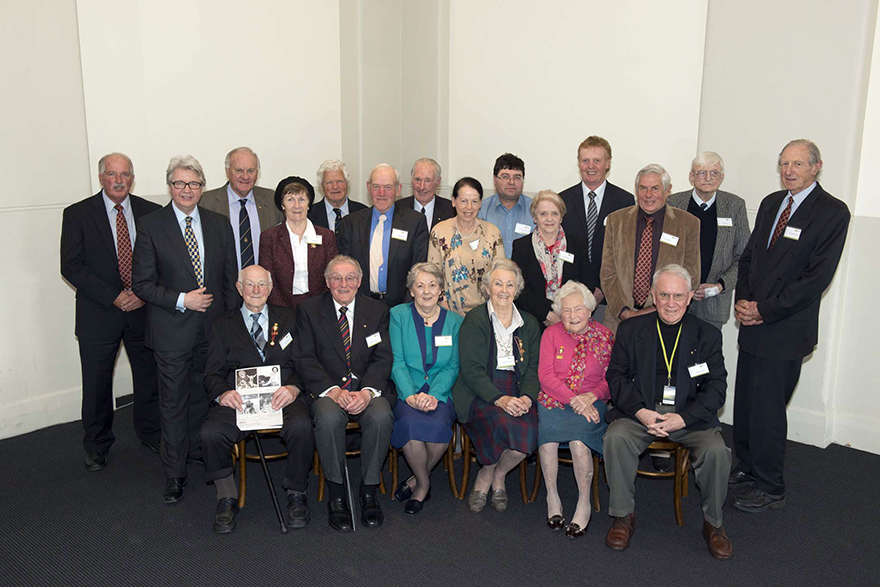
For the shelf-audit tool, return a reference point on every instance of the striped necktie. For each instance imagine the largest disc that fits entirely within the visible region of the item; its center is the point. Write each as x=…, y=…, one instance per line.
x=345, y=331
x=245, y=241
x=592, y=217
x=192, y=246
x=783, y=222
x=257, y=335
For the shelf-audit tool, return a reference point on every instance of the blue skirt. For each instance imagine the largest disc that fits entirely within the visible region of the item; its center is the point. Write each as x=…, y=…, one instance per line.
x=413, y=424
x=558, y=425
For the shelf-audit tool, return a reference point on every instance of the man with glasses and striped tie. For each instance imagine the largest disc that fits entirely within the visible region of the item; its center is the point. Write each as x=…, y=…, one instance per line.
x=342, y=352
x=184, y=268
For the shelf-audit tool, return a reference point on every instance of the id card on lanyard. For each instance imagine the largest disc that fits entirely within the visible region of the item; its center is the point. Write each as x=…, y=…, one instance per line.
x=668, y=389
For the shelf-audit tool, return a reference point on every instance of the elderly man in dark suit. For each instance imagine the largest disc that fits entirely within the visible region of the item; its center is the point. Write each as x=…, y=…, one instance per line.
x=667, y=381
x=254, y=335
x=343, y=354
x=589, y=203
x=386, y=239
x=97, y=237
x=641, y=238
x=184, y=258
x=249, y=207
x=426, y=177
x=334, y=183
x=724, y=231
x=786, y=266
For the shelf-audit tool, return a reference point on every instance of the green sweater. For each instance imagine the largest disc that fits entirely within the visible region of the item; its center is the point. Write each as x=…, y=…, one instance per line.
x=478, y=355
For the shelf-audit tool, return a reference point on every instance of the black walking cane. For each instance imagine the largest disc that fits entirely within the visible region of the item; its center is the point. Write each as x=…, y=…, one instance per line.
x=269, y=483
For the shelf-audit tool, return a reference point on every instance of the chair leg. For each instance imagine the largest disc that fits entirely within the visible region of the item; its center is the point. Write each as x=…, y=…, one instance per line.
x=316, y=464
x=382, y=489
x=538, y=477
x=466, y=464
x=242, y=473
x=320, y=477
x=523, y=467
x=597, y=507
x=684, y=473
x=677, y=482
x=393, y=465
x=449, y=465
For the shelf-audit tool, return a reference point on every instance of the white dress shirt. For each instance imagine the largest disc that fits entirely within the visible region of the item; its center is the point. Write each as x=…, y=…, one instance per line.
x=300, y=247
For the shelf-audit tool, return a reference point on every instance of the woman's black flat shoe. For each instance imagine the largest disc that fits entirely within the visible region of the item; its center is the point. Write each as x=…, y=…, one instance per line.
x=414, y=506
x=556, y=522
x=403, y=492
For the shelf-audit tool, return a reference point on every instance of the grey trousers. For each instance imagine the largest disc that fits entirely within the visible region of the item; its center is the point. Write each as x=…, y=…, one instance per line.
x=376, y=423
x=626, y=439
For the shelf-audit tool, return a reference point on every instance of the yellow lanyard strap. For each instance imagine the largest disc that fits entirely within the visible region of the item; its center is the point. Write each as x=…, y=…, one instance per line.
x=666, y=358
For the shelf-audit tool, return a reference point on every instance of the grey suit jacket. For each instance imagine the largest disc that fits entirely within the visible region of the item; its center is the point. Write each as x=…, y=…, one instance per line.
x=217, y=200
x=729, y=245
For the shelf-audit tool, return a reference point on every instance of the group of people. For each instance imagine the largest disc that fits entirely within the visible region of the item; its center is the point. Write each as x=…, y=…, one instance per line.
x=587, y=319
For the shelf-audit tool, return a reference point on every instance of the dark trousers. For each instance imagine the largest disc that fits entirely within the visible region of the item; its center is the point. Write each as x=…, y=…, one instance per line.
x=763, y=390
x=97, y=359
x=219, y=433
x=183, y=404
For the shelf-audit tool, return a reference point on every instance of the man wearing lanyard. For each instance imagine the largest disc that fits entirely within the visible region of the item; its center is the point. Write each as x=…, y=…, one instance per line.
x=668, y=381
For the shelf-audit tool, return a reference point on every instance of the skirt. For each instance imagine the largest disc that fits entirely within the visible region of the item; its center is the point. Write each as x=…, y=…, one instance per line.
x=492, y=430
x=561, y=426
x=413, y=424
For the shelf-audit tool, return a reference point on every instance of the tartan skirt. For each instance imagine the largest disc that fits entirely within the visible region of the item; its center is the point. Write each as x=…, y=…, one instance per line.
x=492, y=430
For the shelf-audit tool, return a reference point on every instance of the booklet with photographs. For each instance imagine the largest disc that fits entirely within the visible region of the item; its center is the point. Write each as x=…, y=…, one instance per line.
x=256, y=386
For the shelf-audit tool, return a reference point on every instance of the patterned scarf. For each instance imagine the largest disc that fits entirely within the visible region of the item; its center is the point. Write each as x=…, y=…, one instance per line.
x=592, y=345
x=548, y=259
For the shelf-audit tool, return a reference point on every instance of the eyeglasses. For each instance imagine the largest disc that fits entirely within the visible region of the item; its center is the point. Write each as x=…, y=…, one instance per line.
x=665, y=295
x=507, y=177
x=193, y=185
x=255, y=285
x=712, y=174
x=349, y=279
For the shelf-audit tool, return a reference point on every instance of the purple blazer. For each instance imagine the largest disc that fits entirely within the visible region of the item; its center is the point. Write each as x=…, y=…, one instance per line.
x=276, y=256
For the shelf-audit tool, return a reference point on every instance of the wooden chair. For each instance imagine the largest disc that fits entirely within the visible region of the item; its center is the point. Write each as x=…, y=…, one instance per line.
x=469, y=455
x=240, y=457
x=679, y=474
x=350, y=427
x=539, y=477
x=448, y=465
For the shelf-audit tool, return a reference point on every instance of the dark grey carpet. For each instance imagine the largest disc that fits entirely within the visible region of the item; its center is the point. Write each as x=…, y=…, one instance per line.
x=65, y=526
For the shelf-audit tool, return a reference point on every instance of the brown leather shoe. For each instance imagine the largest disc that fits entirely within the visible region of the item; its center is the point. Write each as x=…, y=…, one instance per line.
x=621, y=531
x=716, y=538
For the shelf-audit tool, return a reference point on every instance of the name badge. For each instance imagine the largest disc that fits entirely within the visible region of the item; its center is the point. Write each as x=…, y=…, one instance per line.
x=668, y=395
x=566, y=256
x=374, y=339
x=711, y=291
x=285, y=341
x=315, y=240
x=725, y=221
x=698, y=369
x=605, y=221
x=792, y=233
x=507, y=361
x=400, y=235
x=522, y=228
x=474, y=245
x=669, y=239
x=443, y=340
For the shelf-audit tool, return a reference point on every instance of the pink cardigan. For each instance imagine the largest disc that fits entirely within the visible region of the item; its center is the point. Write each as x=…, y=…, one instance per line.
x=554, y=365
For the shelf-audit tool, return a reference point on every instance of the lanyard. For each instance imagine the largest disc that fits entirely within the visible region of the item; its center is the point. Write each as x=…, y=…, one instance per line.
x=669, y=359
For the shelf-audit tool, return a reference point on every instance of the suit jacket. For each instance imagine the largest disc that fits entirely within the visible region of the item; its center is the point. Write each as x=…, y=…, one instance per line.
x=318, y=212
x=533, y=298
x=276, y=257
x=443, y=209
x=575, y=221
x=632, y=372
x=217, y=200
x=231, y=347
x=729, y=245
x=354, y=241
x=163, y=269
x=788, y=280
x=90, y=264
x=320, y=357
x=619, y=253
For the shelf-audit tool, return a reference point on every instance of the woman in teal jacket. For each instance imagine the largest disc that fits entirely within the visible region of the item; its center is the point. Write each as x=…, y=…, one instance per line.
x=424, y=338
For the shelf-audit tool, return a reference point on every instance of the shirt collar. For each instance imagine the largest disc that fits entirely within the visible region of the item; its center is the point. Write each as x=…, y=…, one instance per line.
x=110, y=204
x=520, y=202
x=348, y=313
x=246, y=314
x=599, y=191
x=181, y=217
x=429, y=207
x=515, y=322
x=656, y=215
x=800, y=196
x=388, y=213
x=699, y=201
x=233, y=197
x=329, y=207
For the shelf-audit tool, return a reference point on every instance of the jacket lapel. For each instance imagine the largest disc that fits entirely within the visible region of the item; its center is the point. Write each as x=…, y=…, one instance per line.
x=397, y=222
x=241, y=330
x=686, y=357
x=646, y=347
x=102, y=223
x=330, y=324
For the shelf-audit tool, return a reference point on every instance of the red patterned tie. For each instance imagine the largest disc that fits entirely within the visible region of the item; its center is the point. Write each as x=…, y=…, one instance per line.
x=346, y=344
x=642, y=279
x=123, y=247
x=783, y=221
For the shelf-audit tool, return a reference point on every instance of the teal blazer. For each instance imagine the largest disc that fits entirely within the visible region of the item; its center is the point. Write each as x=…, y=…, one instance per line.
x=408, y=371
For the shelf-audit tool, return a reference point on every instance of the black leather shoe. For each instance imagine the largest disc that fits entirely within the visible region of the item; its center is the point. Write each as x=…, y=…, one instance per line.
x=224, y=517
x=556, y=522
x=339, y=515
x=574, y=531
x=754, y=500
x=403, y=492
x=174, y=490
x=414, y=506
x=663, y=464
x=371, y=513
x=96, y=461
x=297, y=510
x=739, y=479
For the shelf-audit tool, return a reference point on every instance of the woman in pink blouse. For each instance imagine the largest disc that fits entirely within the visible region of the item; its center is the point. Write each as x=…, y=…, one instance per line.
x=571, y=405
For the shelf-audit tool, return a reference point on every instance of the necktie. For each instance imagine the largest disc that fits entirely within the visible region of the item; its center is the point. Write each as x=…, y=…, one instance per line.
x=123, y=247
x=245, y=242
x=346, y=344
x=192, y=246
x=338, y=213
x=376, y=258
x=642, y=279
x=423, y=211
x=783, y=221
x=592, y=217
x=257, y=334
x=704, y=205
